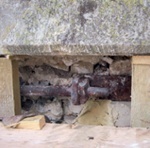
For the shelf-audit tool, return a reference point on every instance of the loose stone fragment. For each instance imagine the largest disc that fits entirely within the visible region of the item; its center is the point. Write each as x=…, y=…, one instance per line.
x=105, y=112
x=70, y=109
x=121, y=67
x=70, y=60
x=108, y=60
x=82, y=68
x=52, y=110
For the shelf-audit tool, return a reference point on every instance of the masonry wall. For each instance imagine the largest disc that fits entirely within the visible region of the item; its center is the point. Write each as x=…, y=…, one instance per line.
x=52, y=70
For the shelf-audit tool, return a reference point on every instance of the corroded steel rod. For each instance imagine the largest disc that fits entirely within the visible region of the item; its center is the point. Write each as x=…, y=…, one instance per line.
x=61, y=91
x=29, y=90
x=119, y=86
x=116, y=88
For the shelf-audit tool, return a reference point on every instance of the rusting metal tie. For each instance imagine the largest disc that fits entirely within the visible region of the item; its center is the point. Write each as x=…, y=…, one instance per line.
x=84, y=87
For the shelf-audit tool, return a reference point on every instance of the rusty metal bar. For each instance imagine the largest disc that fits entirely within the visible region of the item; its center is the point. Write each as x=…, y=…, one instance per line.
x=116, y=88
x=98, y=92
x=119, y=86
x=29, y=90
x=61, y=91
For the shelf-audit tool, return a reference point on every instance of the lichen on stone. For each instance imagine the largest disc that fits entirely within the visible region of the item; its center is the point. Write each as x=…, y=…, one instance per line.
x=97, y=23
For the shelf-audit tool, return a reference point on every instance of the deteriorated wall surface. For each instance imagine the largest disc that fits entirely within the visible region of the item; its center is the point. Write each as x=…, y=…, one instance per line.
x=59, y=71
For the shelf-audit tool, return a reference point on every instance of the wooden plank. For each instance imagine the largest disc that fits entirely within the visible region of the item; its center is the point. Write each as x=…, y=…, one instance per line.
x=141, y=60
x=9, y=88
x=140, y=104
x=36, y=122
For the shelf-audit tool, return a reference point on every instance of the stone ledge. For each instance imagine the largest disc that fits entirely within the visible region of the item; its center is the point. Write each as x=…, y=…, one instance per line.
x=107, y=50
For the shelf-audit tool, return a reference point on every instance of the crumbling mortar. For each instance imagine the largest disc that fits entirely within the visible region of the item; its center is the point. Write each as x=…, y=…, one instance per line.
x=29, y=73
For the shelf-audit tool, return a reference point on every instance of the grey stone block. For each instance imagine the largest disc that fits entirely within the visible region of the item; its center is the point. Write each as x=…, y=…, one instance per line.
x=74, y=27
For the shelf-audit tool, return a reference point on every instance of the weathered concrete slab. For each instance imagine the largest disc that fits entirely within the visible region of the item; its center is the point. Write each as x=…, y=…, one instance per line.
x=9, y=88
x=73, y=27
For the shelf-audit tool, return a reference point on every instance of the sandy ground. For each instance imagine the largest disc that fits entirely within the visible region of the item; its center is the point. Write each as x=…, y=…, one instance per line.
x=67, y=136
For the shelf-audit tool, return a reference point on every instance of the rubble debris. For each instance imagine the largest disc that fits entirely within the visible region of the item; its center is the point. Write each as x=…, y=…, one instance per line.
x=13, y=121
x=51, y=109
x=39, y=71
x=96, y=112
x=108, y=60
x=70, y=60
x=120, y=67
x=104, y=112
x=82, y=68
x=70, y=109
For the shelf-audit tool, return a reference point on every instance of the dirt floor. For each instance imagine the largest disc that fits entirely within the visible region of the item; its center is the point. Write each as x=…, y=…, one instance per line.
x=75, y=136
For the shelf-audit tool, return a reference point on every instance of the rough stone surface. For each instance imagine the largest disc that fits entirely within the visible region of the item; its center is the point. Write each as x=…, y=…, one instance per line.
x=70, y=60
x=105, y=112
x=70, y=109
x=120, y=67
x=55, y=62
x=121, y=112
x=107, y=60
x=82, y=68
x=111, y=27
x=40, y=75
x=69, y=119
x=51, y=109
x=96, y=112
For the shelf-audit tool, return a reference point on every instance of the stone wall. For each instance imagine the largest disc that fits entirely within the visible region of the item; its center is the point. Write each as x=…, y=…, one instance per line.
x=59, y=71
